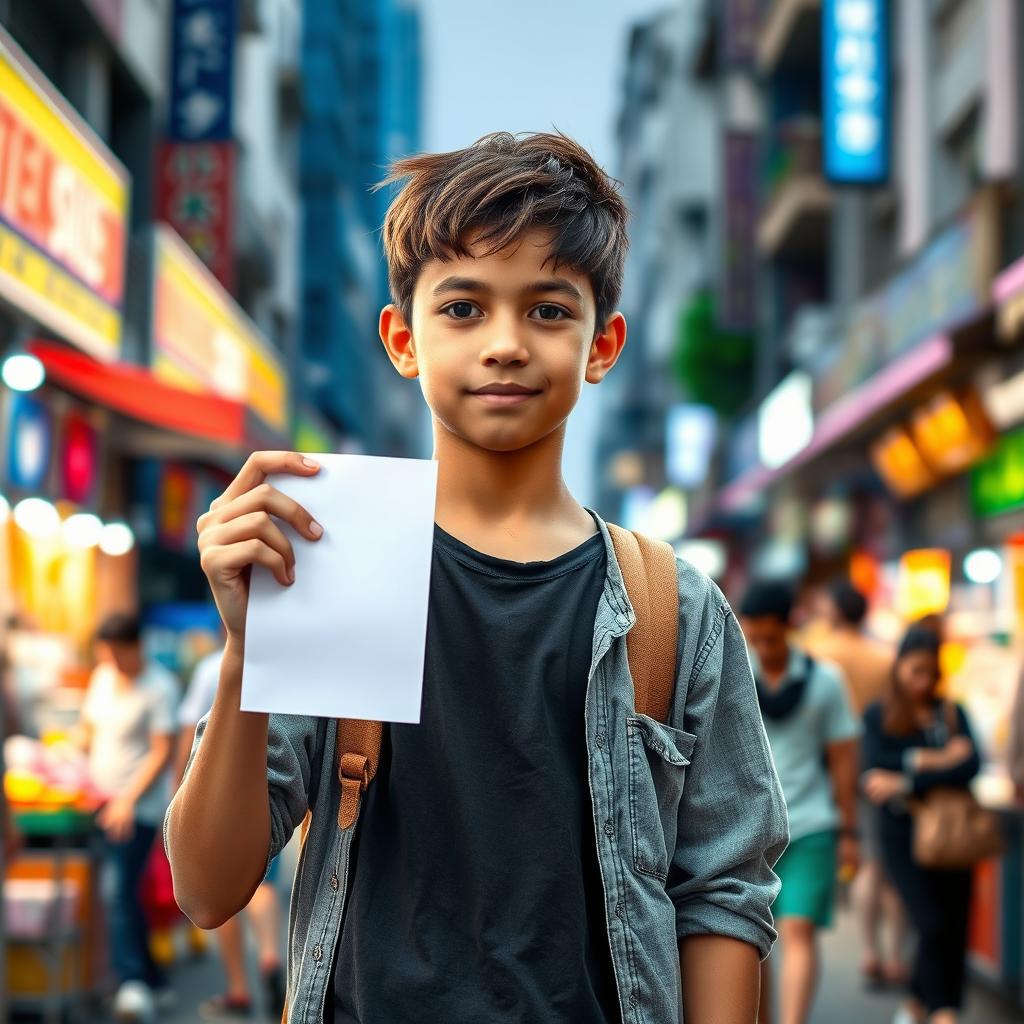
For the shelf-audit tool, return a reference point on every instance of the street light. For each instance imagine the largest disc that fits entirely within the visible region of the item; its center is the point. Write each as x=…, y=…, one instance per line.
x=23, y=372
x=983, y=566
x=37, y=517
x=116, y=539
x=82, y=530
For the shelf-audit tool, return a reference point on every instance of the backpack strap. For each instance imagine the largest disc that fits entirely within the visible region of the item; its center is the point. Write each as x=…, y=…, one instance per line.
x=649, y=572
x=358, y=754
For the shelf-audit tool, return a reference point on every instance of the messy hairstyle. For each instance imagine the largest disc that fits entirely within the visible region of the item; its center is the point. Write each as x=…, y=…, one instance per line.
x=495, y=191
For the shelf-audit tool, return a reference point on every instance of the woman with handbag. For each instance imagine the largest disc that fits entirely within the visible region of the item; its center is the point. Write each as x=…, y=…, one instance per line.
x=918, y=754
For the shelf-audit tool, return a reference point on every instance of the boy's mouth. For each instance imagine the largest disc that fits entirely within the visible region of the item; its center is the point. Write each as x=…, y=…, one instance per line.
x=499, y=393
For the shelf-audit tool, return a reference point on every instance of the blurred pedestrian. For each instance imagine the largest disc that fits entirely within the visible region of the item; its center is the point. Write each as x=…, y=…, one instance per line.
x=264, y=911
x=867, y=669
x=912, y=744
x=813, y=736
x=127, y=727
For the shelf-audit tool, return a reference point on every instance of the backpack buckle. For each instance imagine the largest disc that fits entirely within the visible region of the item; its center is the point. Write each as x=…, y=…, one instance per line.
x=354, y=776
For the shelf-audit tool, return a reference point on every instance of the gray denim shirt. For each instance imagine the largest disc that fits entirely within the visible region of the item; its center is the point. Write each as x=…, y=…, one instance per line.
x=688, y=816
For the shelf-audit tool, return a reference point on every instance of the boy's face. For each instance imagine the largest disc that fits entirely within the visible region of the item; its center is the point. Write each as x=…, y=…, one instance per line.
x=502, y=343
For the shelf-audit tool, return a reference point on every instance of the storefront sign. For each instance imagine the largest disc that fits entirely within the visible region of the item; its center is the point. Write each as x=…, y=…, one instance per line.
x=946, y=286
x=79, y=459
x=785, y=421
x=202, y=341
x=740, y=214
x=997, y=482
x=29, y=442
x=855, y=79
x=202, y=69
x=923, y=583
x=63, y=211
x=176, y=514
x=195, y=195
x=690, y=432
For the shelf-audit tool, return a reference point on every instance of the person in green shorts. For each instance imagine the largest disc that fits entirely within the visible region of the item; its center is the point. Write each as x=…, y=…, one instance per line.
x=813, y=735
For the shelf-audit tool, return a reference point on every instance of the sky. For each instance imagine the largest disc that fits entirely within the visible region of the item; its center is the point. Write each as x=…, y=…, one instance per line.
x=530, y=65
x=526, y=65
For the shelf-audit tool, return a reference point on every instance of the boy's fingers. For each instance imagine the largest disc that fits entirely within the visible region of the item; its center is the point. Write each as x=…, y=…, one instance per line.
x=253, y=525
x=259, y=465
x=234, y=557
x=262, y=498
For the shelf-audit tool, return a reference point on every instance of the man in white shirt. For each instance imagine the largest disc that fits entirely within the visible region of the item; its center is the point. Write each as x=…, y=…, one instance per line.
x=127, y=727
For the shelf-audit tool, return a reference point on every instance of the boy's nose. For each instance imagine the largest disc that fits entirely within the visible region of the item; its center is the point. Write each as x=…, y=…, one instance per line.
x=504, y=348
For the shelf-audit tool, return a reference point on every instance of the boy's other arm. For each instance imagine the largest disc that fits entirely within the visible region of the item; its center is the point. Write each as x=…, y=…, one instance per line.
x=732, y=820
x=721, y=980
x=218, y=824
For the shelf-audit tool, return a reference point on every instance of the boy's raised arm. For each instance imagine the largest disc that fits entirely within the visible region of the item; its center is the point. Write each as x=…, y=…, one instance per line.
x=219, y=825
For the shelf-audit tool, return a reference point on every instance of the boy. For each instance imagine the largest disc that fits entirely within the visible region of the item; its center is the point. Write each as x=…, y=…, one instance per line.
x=529, y=851
x=813, y=736
x=128, y=727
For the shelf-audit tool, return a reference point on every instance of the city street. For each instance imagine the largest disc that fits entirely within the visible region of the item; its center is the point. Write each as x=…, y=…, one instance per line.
x=841, y=999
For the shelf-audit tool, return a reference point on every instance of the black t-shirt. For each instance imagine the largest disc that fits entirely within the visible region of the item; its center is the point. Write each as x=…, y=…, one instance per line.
x=475, y=892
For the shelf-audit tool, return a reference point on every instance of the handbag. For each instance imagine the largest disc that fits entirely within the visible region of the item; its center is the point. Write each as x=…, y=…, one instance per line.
x=951, y=829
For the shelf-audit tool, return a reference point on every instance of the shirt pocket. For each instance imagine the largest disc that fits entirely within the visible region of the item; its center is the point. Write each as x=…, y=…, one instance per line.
x=658, y=757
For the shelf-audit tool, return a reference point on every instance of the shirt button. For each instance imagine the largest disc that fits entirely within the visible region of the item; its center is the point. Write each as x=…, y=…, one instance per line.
x=317, y=953
x=609, y=828
x=334, y=882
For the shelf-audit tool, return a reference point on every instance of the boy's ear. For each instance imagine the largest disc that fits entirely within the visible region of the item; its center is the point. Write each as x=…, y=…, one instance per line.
x=606, y=348
x=397, y=338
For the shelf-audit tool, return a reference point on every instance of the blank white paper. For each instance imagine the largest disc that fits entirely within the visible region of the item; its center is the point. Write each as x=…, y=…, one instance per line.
x=347, y=638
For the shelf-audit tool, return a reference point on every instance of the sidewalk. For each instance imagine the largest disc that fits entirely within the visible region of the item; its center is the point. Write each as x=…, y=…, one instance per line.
x=843, y=1000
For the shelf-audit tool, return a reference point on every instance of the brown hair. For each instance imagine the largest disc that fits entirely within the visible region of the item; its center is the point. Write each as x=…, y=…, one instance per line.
x=897, y=711
x=496, y=190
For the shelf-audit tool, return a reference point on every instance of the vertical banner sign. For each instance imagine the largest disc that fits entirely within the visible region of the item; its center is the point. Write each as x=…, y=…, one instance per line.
x=855, y=81
x=63, y=211
x=737, y=292
x=202, y=70
x=195, y=190
x=195, y=195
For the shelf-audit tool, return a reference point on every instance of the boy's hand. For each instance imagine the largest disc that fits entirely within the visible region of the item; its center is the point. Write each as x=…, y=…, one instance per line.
x=238, y=532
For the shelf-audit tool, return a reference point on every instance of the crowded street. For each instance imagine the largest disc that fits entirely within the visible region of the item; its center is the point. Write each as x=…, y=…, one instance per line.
x=512, y=513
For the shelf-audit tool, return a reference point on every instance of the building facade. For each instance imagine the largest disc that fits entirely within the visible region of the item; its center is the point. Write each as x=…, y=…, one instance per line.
x=361, y=71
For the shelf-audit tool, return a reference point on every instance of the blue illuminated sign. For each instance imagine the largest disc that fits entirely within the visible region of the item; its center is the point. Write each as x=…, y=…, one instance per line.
x=29, y=443
x=202, y=69
x=855, y=80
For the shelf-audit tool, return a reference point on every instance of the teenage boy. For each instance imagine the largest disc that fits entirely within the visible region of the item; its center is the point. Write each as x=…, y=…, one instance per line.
x=127, y=727
x=532, y=850
x=813, y=735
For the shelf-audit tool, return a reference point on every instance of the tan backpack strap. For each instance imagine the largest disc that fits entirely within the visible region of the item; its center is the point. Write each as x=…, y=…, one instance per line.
x=358, y=754
x=649, y=572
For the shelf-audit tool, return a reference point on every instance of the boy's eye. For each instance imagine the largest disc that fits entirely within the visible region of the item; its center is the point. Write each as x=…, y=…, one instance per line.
x=547, y=311
x=460, y=310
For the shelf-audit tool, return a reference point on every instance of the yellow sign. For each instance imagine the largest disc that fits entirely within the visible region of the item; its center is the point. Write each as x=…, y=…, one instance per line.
x=203, y=341
x=63, y=212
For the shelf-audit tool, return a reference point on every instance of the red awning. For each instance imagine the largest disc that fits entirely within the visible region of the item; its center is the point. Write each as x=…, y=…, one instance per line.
x=135, y=392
